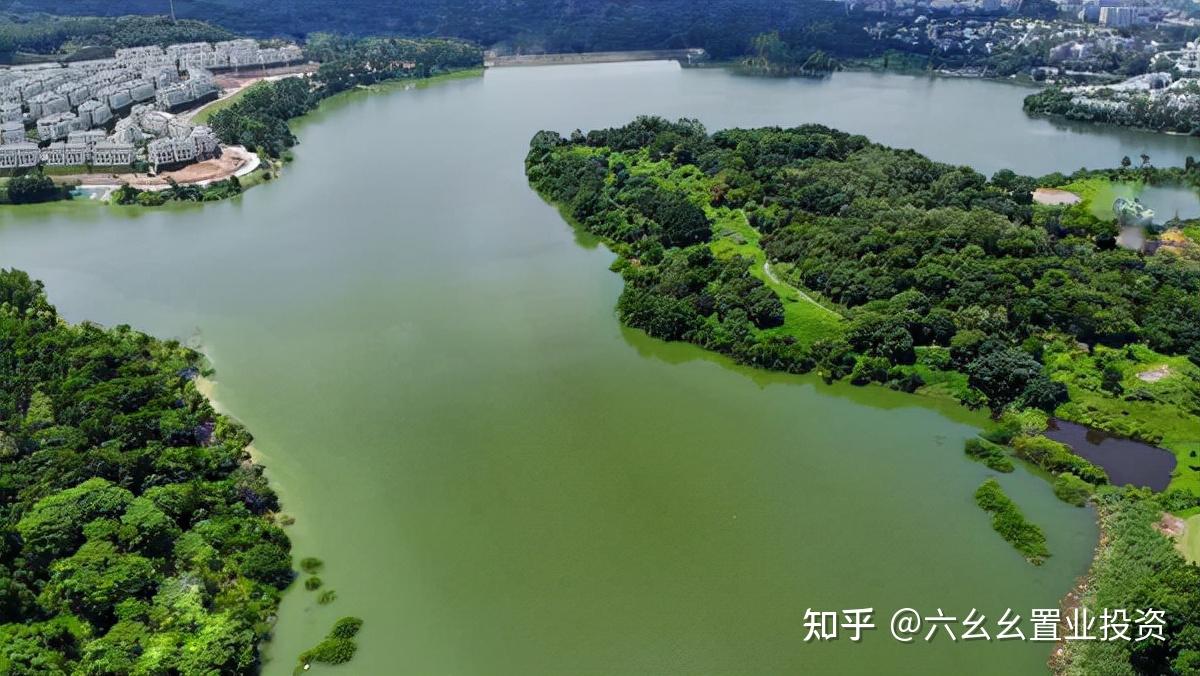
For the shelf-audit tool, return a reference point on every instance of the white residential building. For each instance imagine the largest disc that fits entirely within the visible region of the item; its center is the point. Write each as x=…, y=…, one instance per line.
x=19, y=155
x=90, y=137
x=169, y=151
x=206, y=142
x=57, y=126
x=48, y=103
x=112, y=154
x=94, y=113
x=63, y=154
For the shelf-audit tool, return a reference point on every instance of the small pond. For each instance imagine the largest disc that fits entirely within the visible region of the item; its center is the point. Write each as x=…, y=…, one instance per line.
x=1126, y=461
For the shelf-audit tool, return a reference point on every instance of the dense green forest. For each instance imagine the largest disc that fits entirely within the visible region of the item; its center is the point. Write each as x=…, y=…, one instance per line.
x=723, y=27
x=94, y=37
x=809, y=248
x=136, y=536
x=259, y=118
x=914, y=253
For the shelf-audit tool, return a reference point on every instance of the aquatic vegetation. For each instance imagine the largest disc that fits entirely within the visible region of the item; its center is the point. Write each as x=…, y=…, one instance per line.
x=326, y=597
x=1010, y=523
x=311, y=565
x=992, y=455
x=339, y=645
x=313, y=583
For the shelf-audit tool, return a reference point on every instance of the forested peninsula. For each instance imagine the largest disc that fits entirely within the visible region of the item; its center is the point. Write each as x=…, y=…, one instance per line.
x=136, y=534
x=811, y=249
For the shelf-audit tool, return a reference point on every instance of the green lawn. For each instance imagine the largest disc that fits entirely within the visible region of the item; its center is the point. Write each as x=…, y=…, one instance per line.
x=1098, y=194
x=1192, y=232
x=1189, y=544
x=211, y=109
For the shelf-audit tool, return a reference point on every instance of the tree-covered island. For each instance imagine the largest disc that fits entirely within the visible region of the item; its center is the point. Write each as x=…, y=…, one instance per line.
x=809, y=249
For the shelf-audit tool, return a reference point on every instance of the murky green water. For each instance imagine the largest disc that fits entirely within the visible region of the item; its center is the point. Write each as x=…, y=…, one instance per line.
x=501, y=479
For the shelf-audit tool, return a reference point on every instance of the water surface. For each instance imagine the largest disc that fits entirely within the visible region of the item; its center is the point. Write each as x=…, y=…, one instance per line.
x=1126, y=461
x=500, y=478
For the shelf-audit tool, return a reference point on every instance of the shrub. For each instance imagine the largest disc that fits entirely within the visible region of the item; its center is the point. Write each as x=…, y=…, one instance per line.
x=347, y=627
x=268, y=563
x=331, y=651
x=1054, y=457
x=339, y=645
x=1071, y=489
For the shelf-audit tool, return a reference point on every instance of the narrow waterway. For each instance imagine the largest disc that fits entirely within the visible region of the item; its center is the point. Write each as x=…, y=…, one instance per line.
x=500, y=478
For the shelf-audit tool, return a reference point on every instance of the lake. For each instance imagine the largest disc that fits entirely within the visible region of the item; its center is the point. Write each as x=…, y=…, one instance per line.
x=503, y=480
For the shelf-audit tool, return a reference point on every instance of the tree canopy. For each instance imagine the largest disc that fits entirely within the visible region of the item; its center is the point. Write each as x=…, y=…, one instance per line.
x=136, y=535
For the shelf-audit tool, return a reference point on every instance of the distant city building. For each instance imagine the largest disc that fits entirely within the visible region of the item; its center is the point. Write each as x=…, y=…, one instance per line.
x=1117, y=17
x=12, y=132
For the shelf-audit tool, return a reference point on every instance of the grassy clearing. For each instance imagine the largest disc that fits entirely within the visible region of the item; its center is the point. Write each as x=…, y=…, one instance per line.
x=1189, y=544
x=204, y=114
x=805, y=319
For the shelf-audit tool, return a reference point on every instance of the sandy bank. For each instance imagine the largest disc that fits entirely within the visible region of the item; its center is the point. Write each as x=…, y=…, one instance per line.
x=208, y=387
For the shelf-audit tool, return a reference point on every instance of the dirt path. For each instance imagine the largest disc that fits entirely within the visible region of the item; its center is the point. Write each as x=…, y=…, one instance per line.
x=803, y=295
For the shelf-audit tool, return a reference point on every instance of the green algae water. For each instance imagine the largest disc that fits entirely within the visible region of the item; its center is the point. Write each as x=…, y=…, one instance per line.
x=503, y=480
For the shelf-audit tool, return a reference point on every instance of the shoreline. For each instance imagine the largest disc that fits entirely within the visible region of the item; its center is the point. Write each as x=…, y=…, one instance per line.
x=207, y=386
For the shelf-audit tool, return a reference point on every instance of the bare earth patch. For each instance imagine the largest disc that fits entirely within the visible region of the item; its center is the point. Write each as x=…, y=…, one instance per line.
x=1171, y=525
x=1055, y=196
x=1154, y=375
